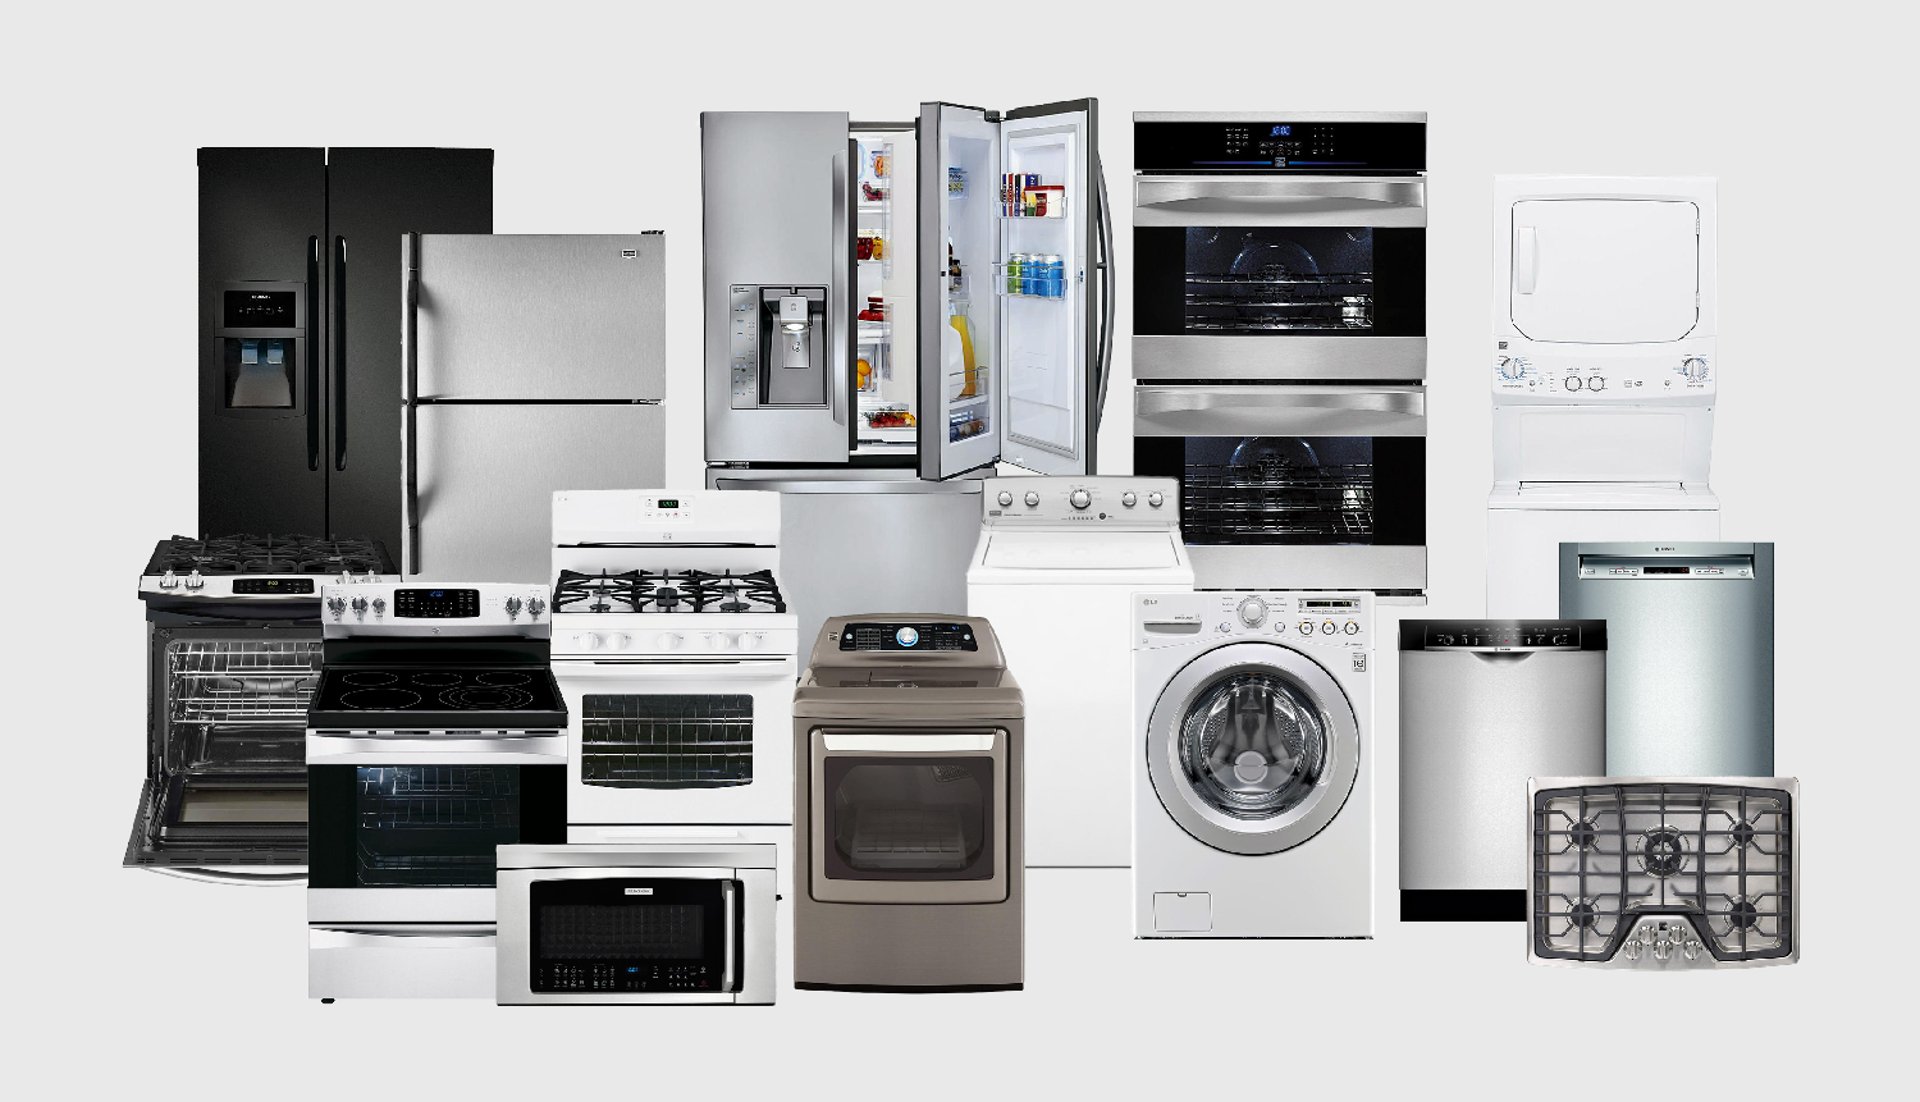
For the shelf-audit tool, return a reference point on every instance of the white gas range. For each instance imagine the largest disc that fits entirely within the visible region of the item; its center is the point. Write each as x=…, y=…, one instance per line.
x=676, y=655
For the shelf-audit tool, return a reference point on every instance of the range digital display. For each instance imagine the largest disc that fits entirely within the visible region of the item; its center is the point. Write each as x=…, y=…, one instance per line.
x=432, y=604
x=668, y=503
x=272, y=586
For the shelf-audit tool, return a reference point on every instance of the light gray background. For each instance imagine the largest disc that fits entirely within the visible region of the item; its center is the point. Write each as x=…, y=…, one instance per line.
x=129, y=980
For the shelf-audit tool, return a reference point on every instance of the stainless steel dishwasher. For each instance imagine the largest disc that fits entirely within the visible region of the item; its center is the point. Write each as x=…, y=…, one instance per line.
x=1485, y=705
x=1690, y=669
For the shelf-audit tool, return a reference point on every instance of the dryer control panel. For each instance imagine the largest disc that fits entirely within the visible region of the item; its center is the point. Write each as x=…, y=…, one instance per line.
x=1342, y=620
x=1524, y=370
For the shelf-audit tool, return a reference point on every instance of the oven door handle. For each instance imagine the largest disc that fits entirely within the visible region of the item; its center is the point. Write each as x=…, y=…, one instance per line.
x=236, y=876
x=1278, y=410
x=908, y=744
x=530, y=748
x=347, y=937
x=1312, y=201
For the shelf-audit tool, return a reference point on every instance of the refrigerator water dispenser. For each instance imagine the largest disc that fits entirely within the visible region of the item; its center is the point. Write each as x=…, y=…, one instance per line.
x=779, y=346
x=259, y=342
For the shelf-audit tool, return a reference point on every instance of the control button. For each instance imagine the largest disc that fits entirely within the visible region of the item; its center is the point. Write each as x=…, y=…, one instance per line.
x=535, y=606
x=1032, y=499
x=1006, y=497
x=1596, y=383
x=513, y=606
x=1080, y=499
x=1129, y=499
x=1573, y=382
x=379, y=605
x=336, y=605
x=1306, y=627
x=1253, y=611
x=195, y=581
x=1156, y=499
x=359, y=606
x=907, y=636
x=1328, y=628
x=618, y=640
x=1352, y=628
x=751, y=640
x=1694, y=368
x=670, y=640
x=169, y=580
x=590, y=640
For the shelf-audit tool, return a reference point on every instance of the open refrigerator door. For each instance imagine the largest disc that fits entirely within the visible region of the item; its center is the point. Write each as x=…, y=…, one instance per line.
x=884, y=383
x=1012, y=346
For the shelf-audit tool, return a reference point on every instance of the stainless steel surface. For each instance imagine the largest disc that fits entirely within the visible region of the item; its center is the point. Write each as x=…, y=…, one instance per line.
x=410, y=747
x=1303, y=357
x=1689, y=660
x=1199, y=817
x=1343, y=566
x=553, y=318
x=775, y=210
x=281, y=876
x=1279, y=410
x=857, y=538
x=1290, y=116
x=363, y=906
x=487, y=475
x=1371, y=201
x=1473, y=727
x=373, y=960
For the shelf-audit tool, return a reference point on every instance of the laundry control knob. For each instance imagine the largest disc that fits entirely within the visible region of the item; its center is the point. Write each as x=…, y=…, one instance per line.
x=513, y=606
x=1080, y=499
x=1510, y=367
x=1253, y=610
x=1156, y=499
x=1573, y=382
x=1353, y=627
x=670, y=640
x=1694, y=368
x=1306, y=627
x=1327, y=628
x=1006, y=497
x=1596, y=382
x=1032, y=499
x=618, y=641
x=1129, y=499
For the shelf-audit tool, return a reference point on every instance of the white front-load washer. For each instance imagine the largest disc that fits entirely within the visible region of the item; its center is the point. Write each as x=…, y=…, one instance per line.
x=1056, y=569
x=1253, y=765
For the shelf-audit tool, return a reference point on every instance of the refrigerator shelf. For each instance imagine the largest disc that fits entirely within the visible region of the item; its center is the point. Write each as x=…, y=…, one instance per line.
x=1056, y=210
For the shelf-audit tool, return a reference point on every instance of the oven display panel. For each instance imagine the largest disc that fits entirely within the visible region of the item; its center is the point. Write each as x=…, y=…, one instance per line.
x=1280, y=146
x=441, y=604
x=271, y=586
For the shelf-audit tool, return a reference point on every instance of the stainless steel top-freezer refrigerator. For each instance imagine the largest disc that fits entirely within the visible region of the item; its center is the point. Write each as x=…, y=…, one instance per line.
x=533, y=364
x=300, y=329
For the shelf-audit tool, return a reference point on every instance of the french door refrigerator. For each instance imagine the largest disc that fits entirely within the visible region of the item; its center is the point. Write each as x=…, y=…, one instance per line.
x=300, y=328
x=534, y=364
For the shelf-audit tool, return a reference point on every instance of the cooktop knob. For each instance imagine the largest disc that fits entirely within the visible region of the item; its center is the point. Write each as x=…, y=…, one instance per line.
x=670, y=640
x=360, y=606
x=169, y=580
x=513, y=606
x=1253, y=611
x=591, y=640
x=1129, y=499
x=1694, y=368
x=195, y=581
x=1032, y=499
x=379, y=605
x=751, y=640
x=1080, y=499
x=1006, y=497
x=336, y=605
x=535, y=606
x=1156, y=499
x=618, y=640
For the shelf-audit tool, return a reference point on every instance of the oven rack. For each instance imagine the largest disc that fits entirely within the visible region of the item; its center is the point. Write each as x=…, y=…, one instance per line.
x=1303, y=279
x=667, y=741
x=438, y=813
x=404, y=781
x=230, y=681
x=1277, y=326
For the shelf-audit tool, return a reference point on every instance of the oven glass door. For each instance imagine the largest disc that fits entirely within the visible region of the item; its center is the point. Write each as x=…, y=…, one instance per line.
x=1279, y=281
x=634, y=934
x=671, y=742
x=1293, y=490
x=915, y=817
x=426, y=825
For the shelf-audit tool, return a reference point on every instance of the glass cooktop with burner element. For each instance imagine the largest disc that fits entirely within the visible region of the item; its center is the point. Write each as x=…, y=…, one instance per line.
x=413, y=698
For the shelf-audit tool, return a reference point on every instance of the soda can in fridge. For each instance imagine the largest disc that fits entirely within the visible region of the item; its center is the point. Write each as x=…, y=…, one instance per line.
x=1013, y=274
x=1053, y=276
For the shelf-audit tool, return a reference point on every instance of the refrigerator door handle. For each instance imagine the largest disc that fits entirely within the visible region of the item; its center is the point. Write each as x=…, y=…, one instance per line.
x=337, y=353
x=840, y=296
x=307, y=364
x=1103, y=216
x=409, y=388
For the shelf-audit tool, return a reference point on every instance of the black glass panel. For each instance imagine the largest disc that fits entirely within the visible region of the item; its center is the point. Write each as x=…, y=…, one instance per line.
x=392, y=826
x=1293, y=490
x=1275, y=281
x=666, y=740
x=924, y=819
x=259, y=372
x=1280, y=146
x=628, y=934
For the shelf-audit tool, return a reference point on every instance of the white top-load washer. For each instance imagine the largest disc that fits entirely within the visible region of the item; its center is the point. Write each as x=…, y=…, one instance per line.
x=1604, y=373
x=1058, y=563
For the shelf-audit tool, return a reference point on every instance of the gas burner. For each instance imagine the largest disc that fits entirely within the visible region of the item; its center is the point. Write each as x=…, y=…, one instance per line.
x=1663, y=851
x=668, y=591
x=1744, y=914
x=379, y=700
x=1584, y=834
x=435, y=679
x=248, y=554
x=370, y=678
x=598, y=592
x=1584, y=915
x=729, y=592
x=1743, y=833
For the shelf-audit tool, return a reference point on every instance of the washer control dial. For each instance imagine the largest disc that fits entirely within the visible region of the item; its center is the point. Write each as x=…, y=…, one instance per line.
x=1253, y=612
x=1129, y=499
x=1694, y=368
x=1080, y=499
x=1156, y=499
x=1006, y=498
x=1032, y=499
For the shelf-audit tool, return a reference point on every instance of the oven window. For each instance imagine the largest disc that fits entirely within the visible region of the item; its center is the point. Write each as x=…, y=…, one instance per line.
x=909, y=819
x=434, y=824
x=1293, y=490
x=630, y=934
x=1274, y=281
x=666, y=741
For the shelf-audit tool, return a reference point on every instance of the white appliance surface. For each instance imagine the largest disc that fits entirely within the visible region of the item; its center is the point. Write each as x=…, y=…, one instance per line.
x=1057, y=582
x=401, y=961
x=1526, y=526
x=1605, y=270
x=1321, y=886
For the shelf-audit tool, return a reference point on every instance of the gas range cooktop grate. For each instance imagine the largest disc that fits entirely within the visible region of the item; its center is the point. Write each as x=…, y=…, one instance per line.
x=667, y=591
x=1274, y=498
x=246, y=554
x=1718, y=857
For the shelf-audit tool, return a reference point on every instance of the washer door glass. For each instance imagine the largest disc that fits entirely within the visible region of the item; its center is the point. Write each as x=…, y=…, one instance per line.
x=1253, y=748
x=1254, y=745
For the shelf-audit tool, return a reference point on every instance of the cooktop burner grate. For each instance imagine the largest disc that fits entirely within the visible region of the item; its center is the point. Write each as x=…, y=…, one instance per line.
x=246, y=554
x=1718, y=857
x=668, y=591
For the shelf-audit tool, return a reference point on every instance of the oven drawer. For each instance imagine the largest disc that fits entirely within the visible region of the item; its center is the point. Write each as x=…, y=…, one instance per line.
x=400, y=960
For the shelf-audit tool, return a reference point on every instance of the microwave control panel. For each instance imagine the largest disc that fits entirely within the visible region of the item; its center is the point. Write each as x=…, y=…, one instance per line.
x=625, y=976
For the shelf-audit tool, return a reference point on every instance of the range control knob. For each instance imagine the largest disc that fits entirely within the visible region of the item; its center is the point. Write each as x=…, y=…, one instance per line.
x=1129, y=499
x=169, y=580
x=1694, y=368
x=535, y=606
x=1032, y=499
x=195, y=581
x=1253, y=611
x=336, y=605
x=1156, y=499
x=751, y=640
x=1080, y=499
x=379, y=605
x=590, y=640
x=618, y=640
x=359, y=606
x=1006, y=498
x=513, y=606
x=670, y=640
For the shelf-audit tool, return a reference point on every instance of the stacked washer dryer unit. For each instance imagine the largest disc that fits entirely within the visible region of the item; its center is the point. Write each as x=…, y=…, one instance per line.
x=1253, y=797
x=1604, y=373
x=1056, y=570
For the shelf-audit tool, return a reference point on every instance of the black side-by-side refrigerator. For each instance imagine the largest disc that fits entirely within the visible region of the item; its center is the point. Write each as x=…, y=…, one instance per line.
x=300, y=328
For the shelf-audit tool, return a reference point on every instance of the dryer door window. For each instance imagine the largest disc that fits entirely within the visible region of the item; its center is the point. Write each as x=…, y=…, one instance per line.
x=1605, y=271
x=1253, y=748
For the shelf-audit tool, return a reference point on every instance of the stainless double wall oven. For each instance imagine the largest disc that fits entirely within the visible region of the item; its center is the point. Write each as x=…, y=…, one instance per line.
x=1279, y=345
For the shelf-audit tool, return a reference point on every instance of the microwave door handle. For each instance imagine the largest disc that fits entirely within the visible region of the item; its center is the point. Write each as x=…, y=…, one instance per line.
x=1526, y=260
x=729, y=934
